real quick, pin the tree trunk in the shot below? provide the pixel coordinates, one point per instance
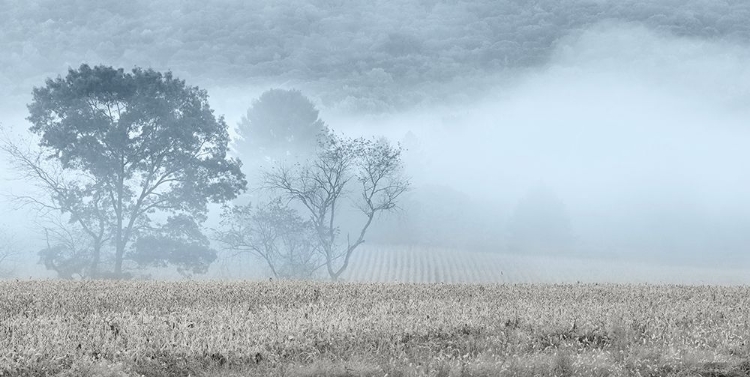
(119, 249)
(95, 260)
(119, 241)
(349, 250)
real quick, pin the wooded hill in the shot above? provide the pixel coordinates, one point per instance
(374, 55)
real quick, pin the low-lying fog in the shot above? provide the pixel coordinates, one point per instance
(627, 144)
(641, 138)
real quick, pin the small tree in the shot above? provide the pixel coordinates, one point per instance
(275, 233)
(146, 143)
(280, 125)
(362, 172)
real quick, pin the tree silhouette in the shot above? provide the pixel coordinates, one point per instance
(360, 172)
(142, 142)
(280, 125)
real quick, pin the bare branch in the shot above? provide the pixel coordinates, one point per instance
(320, 185)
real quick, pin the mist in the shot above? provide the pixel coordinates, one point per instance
(626, 145)
(641, 137)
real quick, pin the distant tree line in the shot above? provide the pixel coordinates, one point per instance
(372, 55)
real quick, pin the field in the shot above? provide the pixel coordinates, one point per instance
(99, 328)
(408, 264)
(436, 265)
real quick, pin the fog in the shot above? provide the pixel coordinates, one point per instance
(627, 145)
(641, 136)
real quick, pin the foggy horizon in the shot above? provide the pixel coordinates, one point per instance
(622, 144)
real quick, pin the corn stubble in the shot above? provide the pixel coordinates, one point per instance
(102, 328)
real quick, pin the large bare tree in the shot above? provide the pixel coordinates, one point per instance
(366, 173)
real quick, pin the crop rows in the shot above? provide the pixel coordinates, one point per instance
(434, 265)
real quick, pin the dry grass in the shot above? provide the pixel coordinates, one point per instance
(320, 329)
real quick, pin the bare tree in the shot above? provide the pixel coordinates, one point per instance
(275, 233)
(363, 172)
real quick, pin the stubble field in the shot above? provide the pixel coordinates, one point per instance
(100, 328)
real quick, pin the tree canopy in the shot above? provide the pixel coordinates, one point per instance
(281, 124)
(134, 144)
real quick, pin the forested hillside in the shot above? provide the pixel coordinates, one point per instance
(370, 56)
